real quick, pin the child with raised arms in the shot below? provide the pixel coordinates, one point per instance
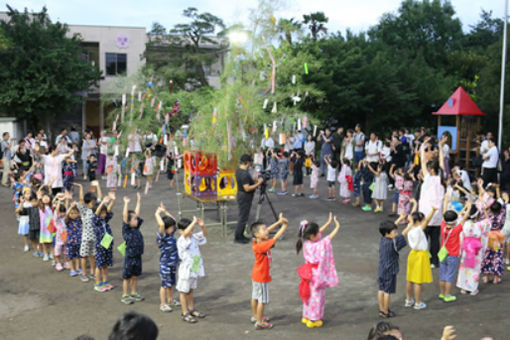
(318, 272)
(131, 223)
(191, 267)
(169, 258)
(261, 272)
(73, 241)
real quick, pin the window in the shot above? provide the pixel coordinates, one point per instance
(116, 63)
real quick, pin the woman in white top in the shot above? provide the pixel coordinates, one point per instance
(310, 147)
(418, 261)
(88, 147)
(348, 146)
(103, 151)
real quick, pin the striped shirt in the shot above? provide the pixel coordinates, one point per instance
(388, 256)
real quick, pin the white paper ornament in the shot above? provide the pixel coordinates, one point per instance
(274, 110)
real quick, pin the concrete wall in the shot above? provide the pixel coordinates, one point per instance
(107, 36)
(15, 128)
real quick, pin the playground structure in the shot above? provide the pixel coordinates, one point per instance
(464, 146)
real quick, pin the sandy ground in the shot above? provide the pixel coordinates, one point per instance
(36, 302)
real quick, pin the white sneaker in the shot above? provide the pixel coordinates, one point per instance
(474, 292)
(409, 303)
(165, 308)
(46, 258)
(26, 248)
(432, 266)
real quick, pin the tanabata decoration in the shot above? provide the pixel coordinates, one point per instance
(114, 127)
(273, 68)
(139, 96)
(266, 131)
(274, 126)
(215, 116)
(127, 152)
(314, 130)
(112, 140)
(282, 138)
(293, 79)
(295, 99)
(306, 68)
(274, 110)
(165, 139)
(167, 117)
(299, 124)
(264, 106)
(152, 101)
(123, 108)
(141, 112)
(305, 119)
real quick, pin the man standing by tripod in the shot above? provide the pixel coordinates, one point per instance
(246, 187)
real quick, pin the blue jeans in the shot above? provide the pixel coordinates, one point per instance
(367, 193)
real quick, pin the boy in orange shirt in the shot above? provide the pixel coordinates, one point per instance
(261, 273)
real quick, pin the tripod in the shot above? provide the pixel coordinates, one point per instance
(262, 195)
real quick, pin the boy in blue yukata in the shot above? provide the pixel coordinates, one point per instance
(133, 237)
(169, 257)
(389, 246)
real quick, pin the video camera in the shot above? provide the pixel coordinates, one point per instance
(266, 176)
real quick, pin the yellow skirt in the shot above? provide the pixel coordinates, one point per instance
(418, 267)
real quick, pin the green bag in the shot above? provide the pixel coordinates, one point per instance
(442, 254)
(106, 241)
(195, 266)
(372, 186)
(122, 248)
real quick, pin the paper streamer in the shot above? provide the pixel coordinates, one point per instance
(125, 181)
(116, 152)
(165, 139)
(299, 124)
(274, 126)
(264, 106)
(141, 112)
(170, 86)
(127, 152)
(139, 96)
(314, 130)
(214, 116)
(133, 179)
(133, 88)
(274, 110)
(305, 119)
(266, 131)
(123, 99)
(122, 113)
(293, 79)
(167, 117)
(152, 101)
(176, 151)
(306, 68)
(282, 138)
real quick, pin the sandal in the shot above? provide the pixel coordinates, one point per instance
(196, 314)
(383, 315)
(496, 280)
(188, 318)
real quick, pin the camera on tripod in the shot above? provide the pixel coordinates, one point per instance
(266, 176)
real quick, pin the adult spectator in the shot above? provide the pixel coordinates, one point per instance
(490, 164)
(6, 158)
(347, 151)
(310, 147)
(53, 168)
(484, 147)
(398, 153)
(326, 149)
(373, 148)
(359, 144)
(133, 326)
(22, 156)
(246, 187)
(43, 134)
(88, 148)
(134, 140)
(297, 144)
(74, 136)
(463, 176)
(29, 141)
(338, 138)
(63, 134)
(42, 142)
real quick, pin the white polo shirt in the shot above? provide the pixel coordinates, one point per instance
(493, 157)
(373, 148)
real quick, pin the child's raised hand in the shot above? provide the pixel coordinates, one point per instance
(138, 196)
(448, 333)
(200, 222)
(336, 222)
(162, 206)
(127, 199)
(330, 217)
(94, 183)
(111, 195)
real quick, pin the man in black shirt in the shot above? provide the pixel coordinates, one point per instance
(246, 187)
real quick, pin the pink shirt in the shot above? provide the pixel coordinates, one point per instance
(53, 169)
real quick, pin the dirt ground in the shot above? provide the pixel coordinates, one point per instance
(36, 302)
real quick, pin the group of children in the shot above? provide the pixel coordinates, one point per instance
(472, 241)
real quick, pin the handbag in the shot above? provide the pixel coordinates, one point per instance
(443, 252)
(107, 239)
(51, 226)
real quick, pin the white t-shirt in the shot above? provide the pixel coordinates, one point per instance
(104, 145)
(446, 150)
(492, 162)
(386, 153)
(188, 249)
(267, 143)
(373, 148)
(417, 239)
(331, 174)
(485, 146)
(466, 182)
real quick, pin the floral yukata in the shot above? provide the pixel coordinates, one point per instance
(493, 260)
(319, 258)
(475, 236)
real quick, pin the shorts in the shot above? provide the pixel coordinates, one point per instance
(395, 197)
(388, 285)
(284, 175)
(87, 248)
(132, 267)
(33, 235)
(167, 274)
(73, 251)
(298, 179)
(59, 248)
(186, 285)
(260, 292)
(331, 184)
(448, 269)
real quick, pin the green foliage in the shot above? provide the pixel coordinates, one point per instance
(316, 23)
(43, 69)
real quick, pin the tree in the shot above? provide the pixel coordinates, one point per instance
(288, 28)
(43, 69)
(316, 23)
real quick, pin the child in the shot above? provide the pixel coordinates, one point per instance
(343, 179)
(111, 171)
(450, 240)
(104, 251)
(331, 177)
(131, 223)
(46, 217)
(170, 168)
(73, 241)
(92, 167)
(169, 257)
(148, 170)
(418, 261)
(492, 265)
(297, 173)
(398, 179)
(191, 266)
(368, 178)
(88, 237)
(273, 164)
(356, 186)
(475, 236)
(261, 272)
(31, 209)
(318, 254)
(389, 246)
(380, 191)
(283, 164)
(69, 170)
(314, 179)
(405, 195)
(24, 224)
(61, 234)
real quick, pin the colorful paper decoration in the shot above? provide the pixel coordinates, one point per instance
(299, 124)
(274, 110)
(305, 119)
(274, 126)
(293, 79)
(214, 117)
(127, 152)
(314, 130)
(264, 106)
(141, 112)
(306, 68)
(282, 138)
(165, 139)
(139, 96)
(266, 131)
(152, 101)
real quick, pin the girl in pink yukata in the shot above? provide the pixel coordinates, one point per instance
(319, 270)
(343, 179)
(61, 234)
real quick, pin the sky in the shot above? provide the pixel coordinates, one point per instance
(356, 15)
